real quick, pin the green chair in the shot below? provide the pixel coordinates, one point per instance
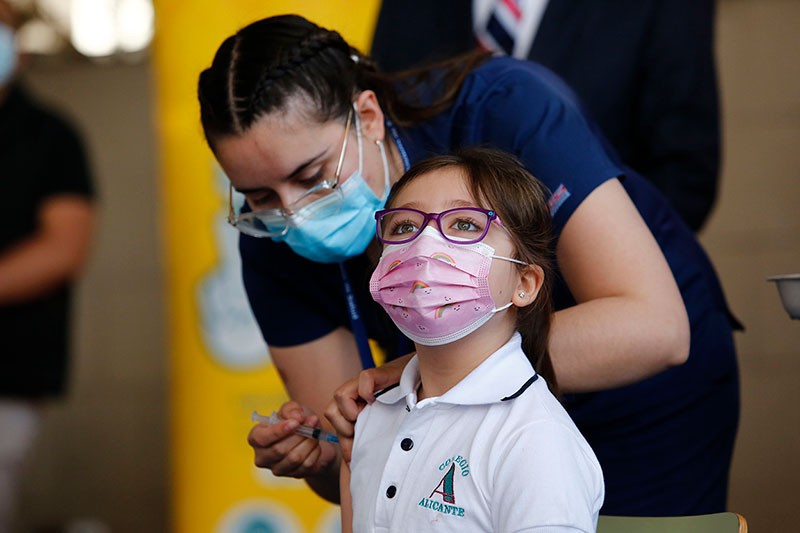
(707, 523)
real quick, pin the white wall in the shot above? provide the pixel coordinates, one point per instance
(755, 233)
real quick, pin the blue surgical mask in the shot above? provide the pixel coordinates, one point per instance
(8, 54)
(347, 233)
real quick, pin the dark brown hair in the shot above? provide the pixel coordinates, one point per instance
(499, 181)
(264, 65)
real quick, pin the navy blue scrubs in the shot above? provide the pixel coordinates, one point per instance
(665, 443)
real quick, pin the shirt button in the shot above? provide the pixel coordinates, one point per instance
(391, 491)
(406, 444)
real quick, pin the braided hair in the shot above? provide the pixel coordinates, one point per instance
(257, 70)
(263, 66)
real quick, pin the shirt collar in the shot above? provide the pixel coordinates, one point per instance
(502, 375)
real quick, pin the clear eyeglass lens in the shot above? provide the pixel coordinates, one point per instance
(318, 192)
(459, 225)
(320, 204)
(466, 225)
(400, 224)
(271, 223)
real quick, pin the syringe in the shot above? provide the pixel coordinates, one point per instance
(305, 431)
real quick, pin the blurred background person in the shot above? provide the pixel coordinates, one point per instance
(46, 219)
(644, 69)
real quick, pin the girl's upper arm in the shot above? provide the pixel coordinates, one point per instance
(346, 501)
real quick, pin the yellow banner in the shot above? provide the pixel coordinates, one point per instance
(220, 370)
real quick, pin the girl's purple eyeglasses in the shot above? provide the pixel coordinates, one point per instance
(462, 225)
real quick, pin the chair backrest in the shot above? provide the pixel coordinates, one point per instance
(707, 523)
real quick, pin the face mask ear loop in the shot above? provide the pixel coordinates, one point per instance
(358, 137)
(510, 259)
(8, 54)
(498, 309)
(386, 185)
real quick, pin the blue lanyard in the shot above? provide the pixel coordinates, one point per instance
(403, 344)
(399, 143)
(356, 322)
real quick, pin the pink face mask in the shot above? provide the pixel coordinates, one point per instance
(436, 292)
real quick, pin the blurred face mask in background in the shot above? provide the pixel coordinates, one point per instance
(8, 54)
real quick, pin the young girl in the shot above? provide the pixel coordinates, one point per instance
(471, 439)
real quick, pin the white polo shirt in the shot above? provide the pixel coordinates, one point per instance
(497, 452)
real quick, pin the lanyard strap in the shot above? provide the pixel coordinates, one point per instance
(356, 322)
(404, 345)
(399, 143)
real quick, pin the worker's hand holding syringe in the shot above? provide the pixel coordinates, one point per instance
(305, 431)
(292, 443)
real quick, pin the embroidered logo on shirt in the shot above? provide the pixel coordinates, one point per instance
(557, 199)
(443, 497)
(445, 487)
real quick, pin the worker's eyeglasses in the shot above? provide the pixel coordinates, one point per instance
(463, 225)
(275, 222)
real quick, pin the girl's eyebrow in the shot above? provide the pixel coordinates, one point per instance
(449, 205)
(302, 166)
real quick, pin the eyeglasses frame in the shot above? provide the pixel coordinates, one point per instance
(427, 217)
